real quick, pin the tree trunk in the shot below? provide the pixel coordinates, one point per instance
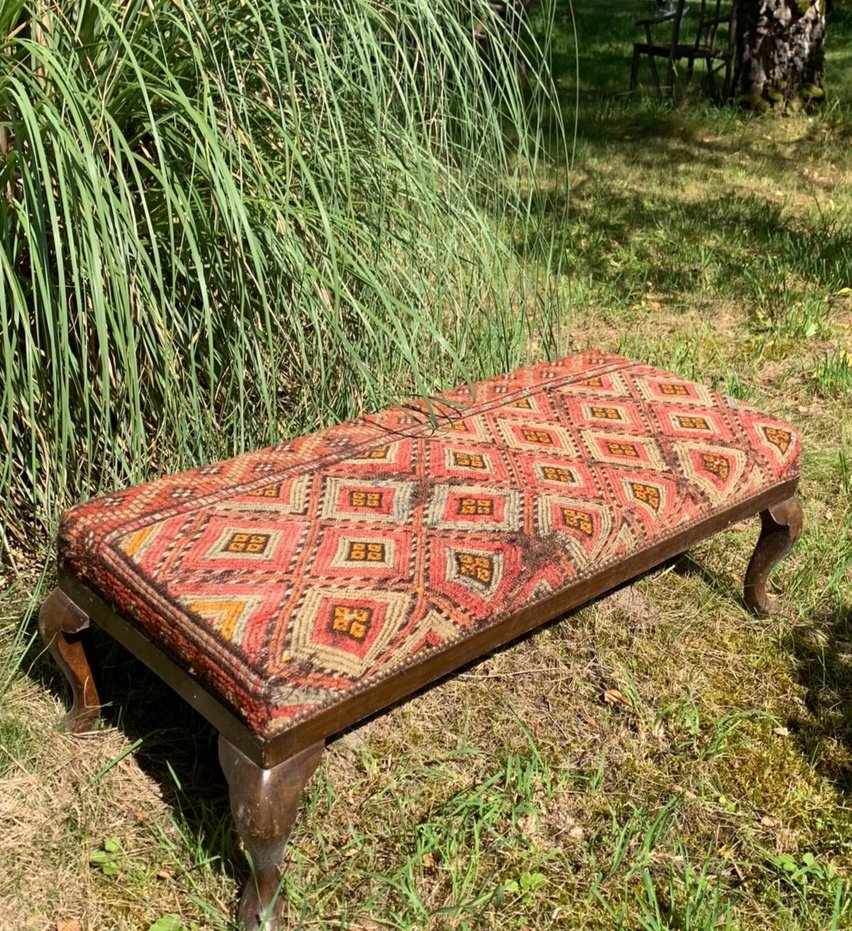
(778, 52)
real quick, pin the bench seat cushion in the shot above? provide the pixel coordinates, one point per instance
(289, 578)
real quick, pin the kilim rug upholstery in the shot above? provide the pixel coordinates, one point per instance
(289, 578)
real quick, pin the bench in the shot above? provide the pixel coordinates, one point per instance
(288, 593)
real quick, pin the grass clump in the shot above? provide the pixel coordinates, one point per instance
(226, 222)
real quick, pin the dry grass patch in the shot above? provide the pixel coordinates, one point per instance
(87, 834)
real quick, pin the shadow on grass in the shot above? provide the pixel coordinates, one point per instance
(824, 655)
(688, 566)
(177, 746)
(740, 246)
(639, 156)
(602, 46)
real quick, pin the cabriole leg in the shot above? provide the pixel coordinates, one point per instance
(63, 627)
(781, 526)
(264, 803)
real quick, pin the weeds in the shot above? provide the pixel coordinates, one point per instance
(833, 375)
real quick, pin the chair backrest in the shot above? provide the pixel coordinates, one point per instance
(711, 16)
(694, 23)
(679, 11)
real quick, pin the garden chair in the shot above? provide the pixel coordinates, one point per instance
(711, 43)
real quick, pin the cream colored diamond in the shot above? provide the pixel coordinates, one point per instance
(354, 552)
(617, 449)
(465, 430)
(595, 385)
(474, 499)
(673, 391)
(560, 515)
(539, 436)
(246, 544)
(295, 503)
(304, 647)
(439, 627)
(479, 571)
(736, 478)
(467, 460)
(367, 495)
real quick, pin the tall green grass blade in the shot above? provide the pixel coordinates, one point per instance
(226, 223)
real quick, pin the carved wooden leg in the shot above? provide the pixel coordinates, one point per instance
(63, 628)
(265, 803)
(781, 526)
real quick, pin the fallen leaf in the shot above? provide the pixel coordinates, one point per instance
(614, 697)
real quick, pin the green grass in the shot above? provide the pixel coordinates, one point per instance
(659, 760)
(833, 375)
(224, 223)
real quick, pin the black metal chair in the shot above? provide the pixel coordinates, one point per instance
(712, 43)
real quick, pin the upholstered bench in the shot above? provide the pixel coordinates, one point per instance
(290, 592)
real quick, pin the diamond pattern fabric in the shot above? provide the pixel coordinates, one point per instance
(291, 577)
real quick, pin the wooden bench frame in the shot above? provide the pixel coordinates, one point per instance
(266, 778)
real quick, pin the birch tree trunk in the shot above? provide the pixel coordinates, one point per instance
(778, 54)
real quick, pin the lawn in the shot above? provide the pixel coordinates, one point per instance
(657, 760)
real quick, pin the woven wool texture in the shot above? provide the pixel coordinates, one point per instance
(290, 577)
